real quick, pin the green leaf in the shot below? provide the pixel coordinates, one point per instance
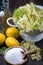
(2, 49)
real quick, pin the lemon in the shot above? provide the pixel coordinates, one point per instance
(12, 32)
(10, 41)
(2, 38)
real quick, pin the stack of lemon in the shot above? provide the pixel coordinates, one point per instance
(10, 39)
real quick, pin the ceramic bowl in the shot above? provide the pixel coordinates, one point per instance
(9, 63)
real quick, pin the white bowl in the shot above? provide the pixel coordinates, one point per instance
(33, 37)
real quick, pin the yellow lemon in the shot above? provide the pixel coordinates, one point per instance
(10, 41)
(2, 38)
(12, 32)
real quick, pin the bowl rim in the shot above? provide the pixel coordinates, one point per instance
(11, 48)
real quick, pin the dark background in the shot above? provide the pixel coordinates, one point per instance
(14, 4)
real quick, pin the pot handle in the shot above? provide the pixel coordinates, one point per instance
(15, 25)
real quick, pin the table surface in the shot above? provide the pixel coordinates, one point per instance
(30, 61)
(39, 44)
